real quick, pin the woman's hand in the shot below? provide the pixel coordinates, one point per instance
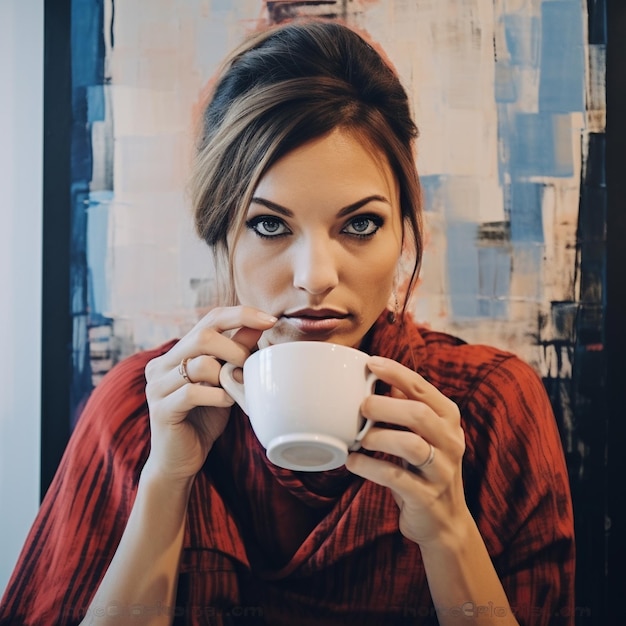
(431, 498)
(186, 417)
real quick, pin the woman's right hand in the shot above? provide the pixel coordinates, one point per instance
(187, 417)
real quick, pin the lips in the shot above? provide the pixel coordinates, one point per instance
(315, 321)
(316, 313)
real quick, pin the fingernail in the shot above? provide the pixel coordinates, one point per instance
(266, 317)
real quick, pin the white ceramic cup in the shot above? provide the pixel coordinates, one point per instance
(303, 399)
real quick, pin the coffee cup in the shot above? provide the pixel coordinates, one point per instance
(303, 400)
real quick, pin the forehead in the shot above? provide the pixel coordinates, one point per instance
(340, 163)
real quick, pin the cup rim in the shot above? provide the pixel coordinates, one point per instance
(307, 342)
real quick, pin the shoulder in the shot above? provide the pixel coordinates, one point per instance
(459, 370)
(463, 370)
(502, 399)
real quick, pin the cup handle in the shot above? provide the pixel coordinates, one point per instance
(234, 388)
(369, 383)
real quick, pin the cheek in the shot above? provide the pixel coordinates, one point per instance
(373, 281)
(257, 278)
(384, 262)
(380, 283)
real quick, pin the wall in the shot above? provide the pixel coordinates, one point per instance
(21, 107)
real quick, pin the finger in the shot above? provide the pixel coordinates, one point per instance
(201, 369)
(412, 415)
(400, 480)
(178, 404)
(413, 385)
(233, 317)
(410, 447)
(207, 338)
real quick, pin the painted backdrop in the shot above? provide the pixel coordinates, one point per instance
(509, 99)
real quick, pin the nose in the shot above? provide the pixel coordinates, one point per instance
(315, 266)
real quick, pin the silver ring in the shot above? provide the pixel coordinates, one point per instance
(429, 460)
(182, 370)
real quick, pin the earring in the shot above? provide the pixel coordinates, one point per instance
(392, 315)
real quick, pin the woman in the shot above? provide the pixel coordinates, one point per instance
(165, 508)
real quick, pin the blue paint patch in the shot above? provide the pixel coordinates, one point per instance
(479, 276)
(561, 83)
(526, 212)
(540, 145)
(522, 35)
(494, 281)
(87, 43)
(95, 104)
(431, 190)
(97, 258)
(463, 275)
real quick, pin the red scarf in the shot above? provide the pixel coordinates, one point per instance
(287, 516)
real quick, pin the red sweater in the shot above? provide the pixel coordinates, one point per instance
(265, 545)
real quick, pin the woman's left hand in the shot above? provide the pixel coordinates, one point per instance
(431, 497)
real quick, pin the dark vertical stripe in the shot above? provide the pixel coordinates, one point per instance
(56, 322)
(588, 393)
(616, 308)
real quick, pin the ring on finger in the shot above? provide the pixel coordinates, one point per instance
(182, 370)
(429, 459)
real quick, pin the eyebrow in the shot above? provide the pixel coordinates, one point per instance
(346, 210)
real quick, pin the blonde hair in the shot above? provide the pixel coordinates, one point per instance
(280, 89)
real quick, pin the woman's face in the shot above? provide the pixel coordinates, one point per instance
(321, 242)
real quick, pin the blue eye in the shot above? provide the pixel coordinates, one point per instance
(268, 226)
(363, 225)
